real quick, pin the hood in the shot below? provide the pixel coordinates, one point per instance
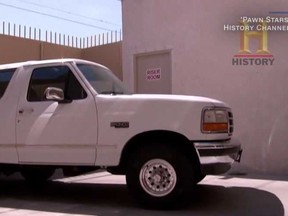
(171, 97)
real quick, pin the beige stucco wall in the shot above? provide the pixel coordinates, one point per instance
(15, 49)
(202, 55)
(52, 51)
(109, 55)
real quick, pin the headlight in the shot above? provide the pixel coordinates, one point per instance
(215, 120)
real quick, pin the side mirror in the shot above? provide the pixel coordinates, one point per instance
(54, 94)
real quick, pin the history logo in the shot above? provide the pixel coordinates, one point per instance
(262, 56)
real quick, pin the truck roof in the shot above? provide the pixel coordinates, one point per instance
(41, 62)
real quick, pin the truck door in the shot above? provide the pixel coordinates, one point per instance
(8, 106)
(49, 132)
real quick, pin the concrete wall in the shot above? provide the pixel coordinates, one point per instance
(109, 55)
(52, 51)
(202, 55)
(15, 49)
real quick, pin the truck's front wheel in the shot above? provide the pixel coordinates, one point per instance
(160, 177)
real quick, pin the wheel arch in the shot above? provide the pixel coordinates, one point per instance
(173, 139)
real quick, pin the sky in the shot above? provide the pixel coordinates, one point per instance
(79, 18)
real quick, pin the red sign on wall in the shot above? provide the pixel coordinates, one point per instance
(153, 74)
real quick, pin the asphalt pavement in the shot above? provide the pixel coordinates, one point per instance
(103, 194)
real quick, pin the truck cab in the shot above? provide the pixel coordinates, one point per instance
(75, 115)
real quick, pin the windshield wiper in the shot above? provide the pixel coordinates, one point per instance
(112, 92)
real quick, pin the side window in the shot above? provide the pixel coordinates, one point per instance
(55, 76)
(5, 77)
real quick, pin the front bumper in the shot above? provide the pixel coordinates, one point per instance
(217, 157)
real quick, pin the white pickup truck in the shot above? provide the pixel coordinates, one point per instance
(77, 116)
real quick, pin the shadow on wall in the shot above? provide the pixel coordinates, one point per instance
(264, 138)
(276, 148)
(113, 199)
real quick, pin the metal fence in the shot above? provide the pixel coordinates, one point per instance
(58, 38)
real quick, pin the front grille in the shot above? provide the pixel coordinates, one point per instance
(231, 123)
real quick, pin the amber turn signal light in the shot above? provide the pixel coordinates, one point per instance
(215, 127)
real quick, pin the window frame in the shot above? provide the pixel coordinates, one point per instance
(65, 83)
(13, 70)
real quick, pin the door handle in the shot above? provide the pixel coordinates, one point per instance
(29, 110)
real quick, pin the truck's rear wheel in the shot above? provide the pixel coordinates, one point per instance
(160, 176)
(37, 174)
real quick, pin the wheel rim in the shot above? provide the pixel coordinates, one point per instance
(158, 177)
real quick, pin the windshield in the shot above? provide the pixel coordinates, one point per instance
(102, 79)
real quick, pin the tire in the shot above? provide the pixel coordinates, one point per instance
(200, 177)
(37, 174)
(160, 176)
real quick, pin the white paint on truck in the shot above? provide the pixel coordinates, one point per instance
(76, 115)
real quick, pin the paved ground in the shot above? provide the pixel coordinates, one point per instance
(105, 195)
